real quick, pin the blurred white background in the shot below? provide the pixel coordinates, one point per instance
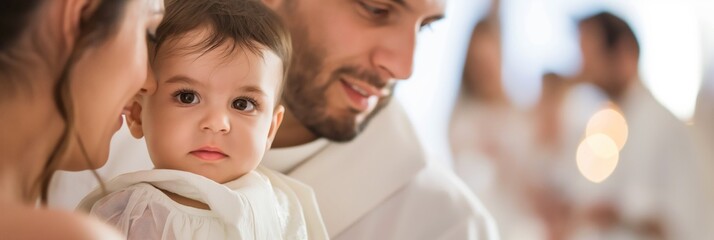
(676, 37)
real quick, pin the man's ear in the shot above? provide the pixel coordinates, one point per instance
(275, 125)
(72, 14)
(134, 121)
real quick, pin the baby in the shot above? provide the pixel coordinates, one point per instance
(220, 66)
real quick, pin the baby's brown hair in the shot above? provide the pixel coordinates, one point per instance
(245, 24)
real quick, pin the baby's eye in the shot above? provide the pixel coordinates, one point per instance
(245, 105)
(187, 97)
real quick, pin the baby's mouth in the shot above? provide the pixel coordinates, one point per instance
(209, 154)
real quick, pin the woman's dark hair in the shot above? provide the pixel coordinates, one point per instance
(14, 20)
(15, 17)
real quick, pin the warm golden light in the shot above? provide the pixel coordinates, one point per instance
(611, 123)
(597, 157)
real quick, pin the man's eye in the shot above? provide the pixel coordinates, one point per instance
(187, 98)
(375, 11)
(425, 26)
(244, 105)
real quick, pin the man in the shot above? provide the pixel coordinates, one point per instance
(371, 177)
(656, 190)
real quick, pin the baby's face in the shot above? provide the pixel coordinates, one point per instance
(213, 114)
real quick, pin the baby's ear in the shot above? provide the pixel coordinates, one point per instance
(275, 125)
(133, 120)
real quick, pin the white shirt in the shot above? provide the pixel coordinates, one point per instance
(286, 159)
(259, 205)
(381, 185)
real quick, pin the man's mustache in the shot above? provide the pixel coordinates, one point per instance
(368, 76)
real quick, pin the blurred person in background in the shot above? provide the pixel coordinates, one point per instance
(703, 129)
(490, 138)
(548, 112)
(703, 119)
(549, 141)
(655, 191)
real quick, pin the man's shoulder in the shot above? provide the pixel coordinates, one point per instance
(452, 199)
(435, 204)
(440, 184)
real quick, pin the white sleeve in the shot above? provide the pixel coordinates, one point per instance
(134, 214)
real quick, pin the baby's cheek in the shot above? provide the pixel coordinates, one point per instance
(164, 141)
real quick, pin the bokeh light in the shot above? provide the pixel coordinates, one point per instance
(597, 157)
(611, 123)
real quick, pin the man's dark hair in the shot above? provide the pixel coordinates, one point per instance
(614, 31)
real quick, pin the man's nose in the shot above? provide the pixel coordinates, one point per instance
(394, 55)
(216, 121)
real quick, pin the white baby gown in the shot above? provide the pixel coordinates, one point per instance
(262, 204)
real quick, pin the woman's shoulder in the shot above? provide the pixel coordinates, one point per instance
(31, 223)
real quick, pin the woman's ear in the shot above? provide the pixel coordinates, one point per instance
(73, 12)
(275, 125)
(134, 121)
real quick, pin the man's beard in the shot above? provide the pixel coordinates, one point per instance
(307, 100)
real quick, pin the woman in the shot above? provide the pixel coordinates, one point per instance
(492, 140)
(67, 68)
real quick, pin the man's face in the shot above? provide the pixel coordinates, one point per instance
(348, 56)
(594, 65)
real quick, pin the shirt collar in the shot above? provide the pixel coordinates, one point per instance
(286, 159)
(351, 179)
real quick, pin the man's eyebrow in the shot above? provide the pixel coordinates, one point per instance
(183, 79)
